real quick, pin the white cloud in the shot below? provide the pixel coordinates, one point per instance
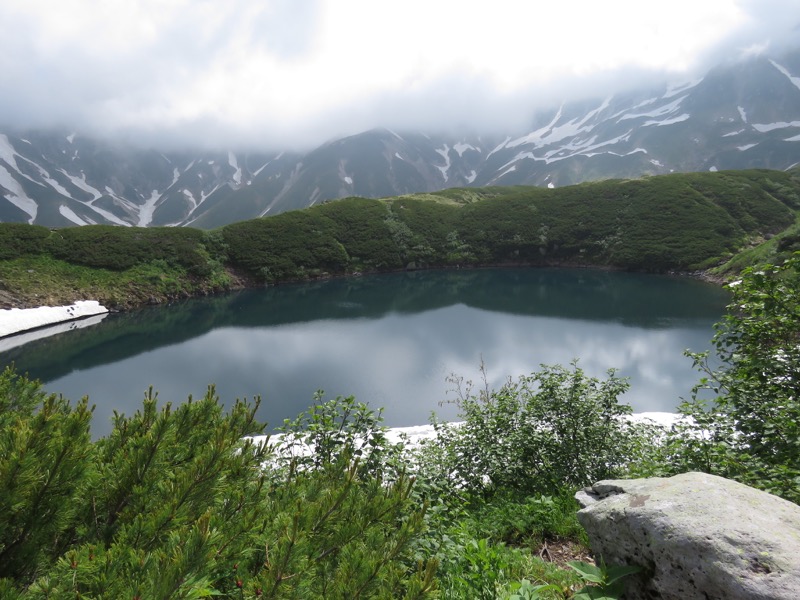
(303, 70)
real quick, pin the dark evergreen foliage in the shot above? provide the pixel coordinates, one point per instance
(675, 222)
(20, 239)
(120, 248)
(181, 502)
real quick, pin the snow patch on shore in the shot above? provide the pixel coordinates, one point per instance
(415, 436)
(14, 341)
(17, 320)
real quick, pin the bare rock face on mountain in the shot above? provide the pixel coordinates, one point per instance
(697, 536)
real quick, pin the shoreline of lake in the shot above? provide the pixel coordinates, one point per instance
(20, 316)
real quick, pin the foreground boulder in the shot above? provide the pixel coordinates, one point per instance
(695, 536)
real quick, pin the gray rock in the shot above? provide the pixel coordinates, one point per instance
(697, 536)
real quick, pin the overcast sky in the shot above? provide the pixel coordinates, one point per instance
(292, 73)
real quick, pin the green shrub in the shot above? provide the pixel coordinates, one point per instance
(527, 521)
(360, 226)
(20, 239)
(554, 429)
(744, 416)
(287, 246)
(120, 248)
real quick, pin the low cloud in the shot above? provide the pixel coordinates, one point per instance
(294, 73)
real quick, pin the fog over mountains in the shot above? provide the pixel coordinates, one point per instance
(739, 115)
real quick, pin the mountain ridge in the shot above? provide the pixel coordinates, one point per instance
(737, 116)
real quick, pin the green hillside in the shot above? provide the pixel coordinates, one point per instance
(680, 222)
(675, 222)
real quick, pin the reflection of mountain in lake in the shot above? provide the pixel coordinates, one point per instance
(645, 301)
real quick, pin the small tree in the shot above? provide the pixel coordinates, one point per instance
(750, 428)
(552, 429)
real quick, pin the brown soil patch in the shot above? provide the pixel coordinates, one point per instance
(560, 552)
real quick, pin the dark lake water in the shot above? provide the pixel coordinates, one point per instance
(389, 340)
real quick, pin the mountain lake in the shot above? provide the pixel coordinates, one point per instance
(393, 341)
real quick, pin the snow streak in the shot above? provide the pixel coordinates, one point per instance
(795, 80)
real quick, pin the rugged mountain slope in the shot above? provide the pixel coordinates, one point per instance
(738, 116)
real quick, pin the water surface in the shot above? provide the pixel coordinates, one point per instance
(390, 340)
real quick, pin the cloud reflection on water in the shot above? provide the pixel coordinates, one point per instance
(399, 361)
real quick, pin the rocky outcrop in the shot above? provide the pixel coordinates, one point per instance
(697, 536)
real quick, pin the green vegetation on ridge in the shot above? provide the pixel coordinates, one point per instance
(680, 222)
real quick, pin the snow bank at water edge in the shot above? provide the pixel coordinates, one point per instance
(413, 437)
(20, 339)
(16, 320)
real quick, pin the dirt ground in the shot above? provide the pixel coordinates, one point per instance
(560, 552)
